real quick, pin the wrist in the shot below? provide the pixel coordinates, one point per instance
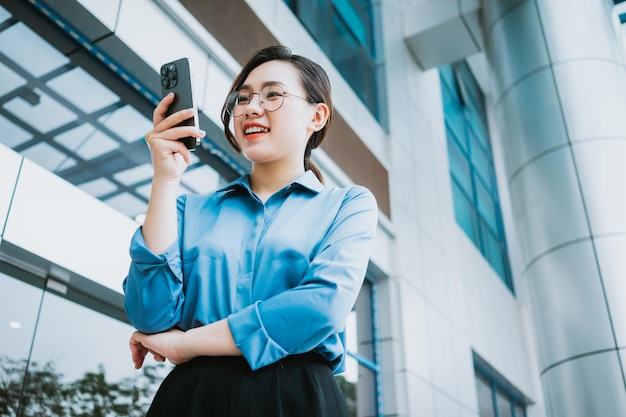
(186, 347)
(165, 181)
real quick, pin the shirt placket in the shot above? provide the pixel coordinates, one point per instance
(248, 261)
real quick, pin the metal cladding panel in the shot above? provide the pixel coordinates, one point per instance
(589, 386)
(573, 32)
(517, 55)
(547, 205)
(611, 250)
(600, 166)
(494, 10)
(593, 96)
(528, 134)
(569, 305)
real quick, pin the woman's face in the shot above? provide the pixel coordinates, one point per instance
(281, 135)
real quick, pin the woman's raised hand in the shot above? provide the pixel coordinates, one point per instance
(170, 157)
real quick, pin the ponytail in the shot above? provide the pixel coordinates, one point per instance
(310, 165)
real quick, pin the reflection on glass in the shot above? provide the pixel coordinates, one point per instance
(30, 51)
(12, 135)
(127, 122)
(19, 303)
(40, 111)
(81, 365)
(83, 90)
(485, 402)
(10, 80)
(87, 142)
(504, 404)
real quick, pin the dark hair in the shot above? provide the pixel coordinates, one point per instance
(315, 82)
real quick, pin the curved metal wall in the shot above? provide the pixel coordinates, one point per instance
(560, 92)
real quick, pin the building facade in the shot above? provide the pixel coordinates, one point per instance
(489, 131)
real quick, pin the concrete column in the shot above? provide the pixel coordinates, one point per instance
(559, 84)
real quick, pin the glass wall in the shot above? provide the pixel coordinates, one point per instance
(474, 188)
(345, 30)
(70, 114)
(65, 355)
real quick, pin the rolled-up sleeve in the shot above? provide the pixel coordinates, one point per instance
(300, 319)
(153, 288)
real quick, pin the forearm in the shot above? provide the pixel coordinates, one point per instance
(160, 228)
(214, 339)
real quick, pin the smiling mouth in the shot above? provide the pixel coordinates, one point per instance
(256, 129)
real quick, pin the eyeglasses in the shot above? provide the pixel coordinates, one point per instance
(271, 98)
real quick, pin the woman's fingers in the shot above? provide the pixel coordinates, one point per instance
(159, 111)
(137, 349)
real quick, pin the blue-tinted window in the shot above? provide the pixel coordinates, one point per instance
(474, 190)
(345, 31)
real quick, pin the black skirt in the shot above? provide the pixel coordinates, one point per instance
(296, 386)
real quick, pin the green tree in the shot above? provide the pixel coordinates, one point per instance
(349, 393)
(45, 394)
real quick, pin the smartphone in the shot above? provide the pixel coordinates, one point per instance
(176, 78)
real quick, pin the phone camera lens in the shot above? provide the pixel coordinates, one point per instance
(165, 82)
(163, 71)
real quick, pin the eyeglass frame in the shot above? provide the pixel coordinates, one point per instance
(236, 94)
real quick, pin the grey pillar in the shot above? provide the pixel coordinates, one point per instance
(560, 91)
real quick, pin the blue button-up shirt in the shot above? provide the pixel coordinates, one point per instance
(286, 273)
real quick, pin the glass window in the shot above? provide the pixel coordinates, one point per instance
(360, 383)
(67, 354)
(345, 31)
(459, 165)
(504, 404)
(455, 120)
(19, 303)
(496, 396)
(485, 401)
(464, 212)
(474, 190)
(486, 206)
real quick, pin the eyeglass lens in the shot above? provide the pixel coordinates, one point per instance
(271, 98)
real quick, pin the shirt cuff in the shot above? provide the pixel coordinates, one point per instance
(144, 258)
(252, 339)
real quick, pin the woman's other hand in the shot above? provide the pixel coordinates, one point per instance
(166, 345)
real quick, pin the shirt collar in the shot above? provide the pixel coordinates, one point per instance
(307, 180)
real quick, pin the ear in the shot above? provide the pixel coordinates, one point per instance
(320, 117)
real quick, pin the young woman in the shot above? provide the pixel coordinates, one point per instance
(247, 289)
